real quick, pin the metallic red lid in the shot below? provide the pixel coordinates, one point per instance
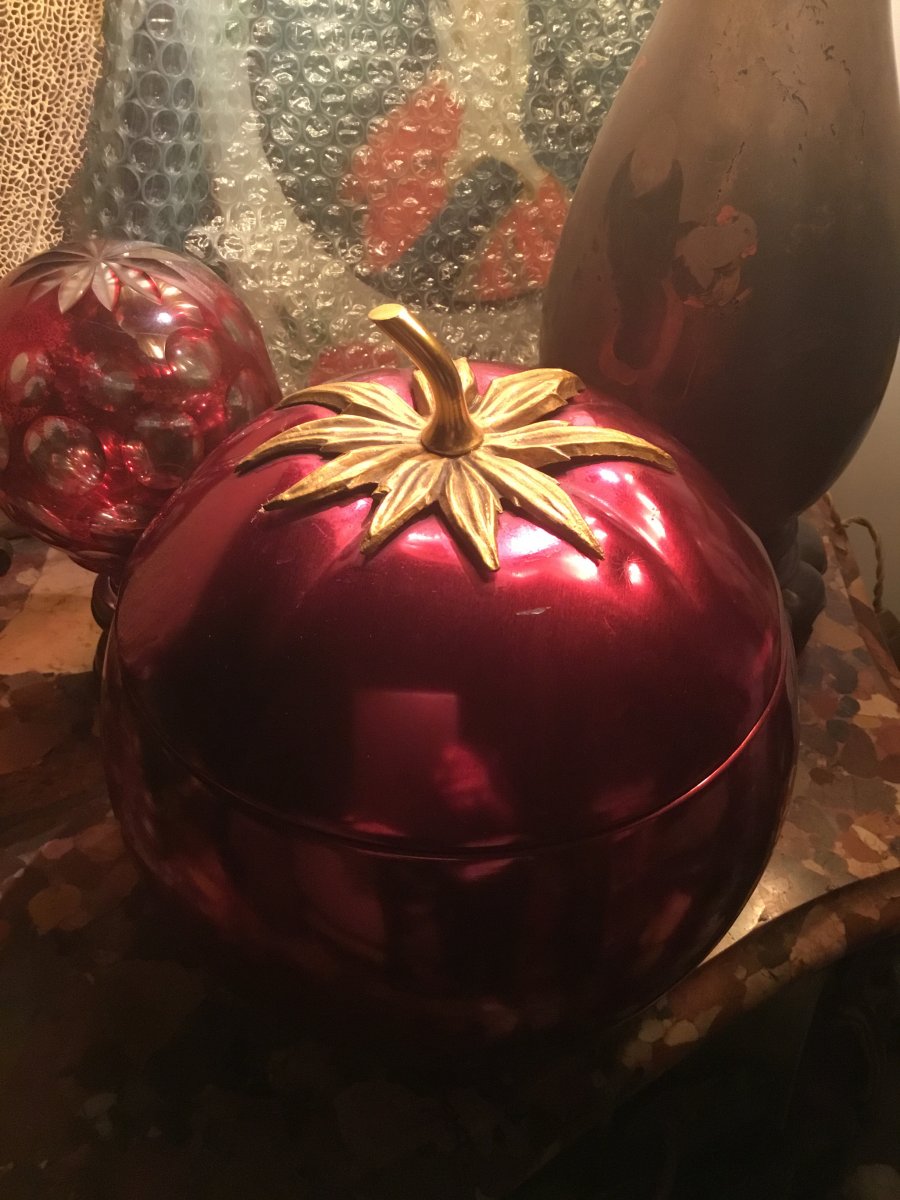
(411, 699)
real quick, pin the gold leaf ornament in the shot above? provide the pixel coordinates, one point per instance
(468, 454)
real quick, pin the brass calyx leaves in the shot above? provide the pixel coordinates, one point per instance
(376, 437)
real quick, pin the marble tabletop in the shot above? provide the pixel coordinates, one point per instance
(131, 1067)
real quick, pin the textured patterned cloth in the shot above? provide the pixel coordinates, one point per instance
(49, 57)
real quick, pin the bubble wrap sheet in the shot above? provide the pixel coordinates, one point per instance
(331, 154)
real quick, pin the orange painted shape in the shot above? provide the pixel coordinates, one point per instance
(518, 255)
(399, 175)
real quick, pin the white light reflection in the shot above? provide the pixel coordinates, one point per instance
(427, 540)
(528, 539)
(419, 536)
(580, 566)
(655, 526)
(635, 574)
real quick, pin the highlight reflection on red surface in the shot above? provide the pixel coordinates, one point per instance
(485, 802)
(404, 743)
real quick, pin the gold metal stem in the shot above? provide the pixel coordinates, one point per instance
(451, 430)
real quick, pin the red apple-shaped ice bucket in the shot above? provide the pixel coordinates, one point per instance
(487, 769)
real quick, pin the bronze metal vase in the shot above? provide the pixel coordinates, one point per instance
(731, 262)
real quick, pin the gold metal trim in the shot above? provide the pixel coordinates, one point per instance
(450, 430)
(469, 454)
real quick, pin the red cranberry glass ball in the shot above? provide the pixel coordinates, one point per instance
(121, 365)
(472, 703)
